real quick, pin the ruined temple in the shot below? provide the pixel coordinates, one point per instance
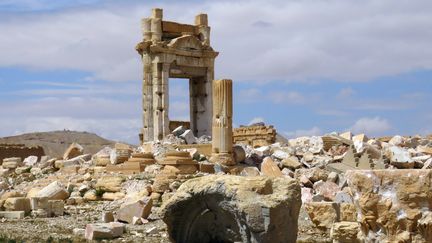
(255, 136)
(174, 50)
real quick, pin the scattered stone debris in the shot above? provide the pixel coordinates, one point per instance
(238, 186)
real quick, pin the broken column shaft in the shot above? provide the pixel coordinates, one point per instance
(222, 146)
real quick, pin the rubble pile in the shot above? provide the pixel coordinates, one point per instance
(239, 185)
(351, 188)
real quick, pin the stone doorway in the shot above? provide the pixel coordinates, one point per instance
(173, 50)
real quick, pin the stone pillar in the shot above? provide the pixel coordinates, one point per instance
(160, 100)
(147, 100)
(156, 24)
(222, 147)
(200, 105)
(146, 29)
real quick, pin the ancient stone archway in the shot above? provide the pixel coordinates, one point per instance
(173, 50)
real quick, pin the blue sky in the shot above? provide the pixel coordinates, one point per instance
(307, 67)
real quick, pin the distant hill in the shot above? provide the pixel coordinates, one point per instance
(55, 143)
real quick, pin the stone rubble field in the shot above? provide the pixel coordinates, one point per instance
(331, 188)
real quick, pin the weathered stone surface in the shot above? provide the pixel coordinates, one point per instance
(30, 160)
(314, 174)
(269, 168)
(140, 209)
(222, 132)
(189, 137)
(73, 151)
(239, 153)
(12, 214)
(17, 204)
(54, 191)
(322, 214)
(250, 171)
(101, 231)
(348, 212)
(345, 232)
(391, 202)
(109, 183)
(255, 209)
(112, 196)
(38, 203)
(327, 189)
(55, 208)
(177, 51)
(291, 162)
(256, 135)
(107, 217)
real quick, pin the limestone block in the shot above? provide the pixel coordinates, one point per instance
(327, 189)
(206, 167)
(291, 162)
(280, 154)
(10, 194)
(55, 208)
(183, 169)
(73, 151)
(38, 203)
(22, 169)
(348, 212)
(140, 209)
(12, 214)
(107, 217)
(112, 196)
(12, 163)
(314, 174)
(250, 171)
(17, 204)
(101, 231)
(90, 195)
(54, 191)
(30, 160)
(239, 153)
(269, 168)
(189, 137)
(345, 232)
(109, 183)
(255, 209)
(322, 214)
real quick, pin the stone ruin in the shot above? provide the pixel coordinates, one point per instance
(174, 50)
(20, 150)
(256, 135)
(240, 186)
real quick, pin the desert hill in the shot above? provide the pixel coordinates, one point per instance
(55, 143)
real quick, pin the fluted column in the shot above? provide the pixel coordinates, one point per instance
(222, 147)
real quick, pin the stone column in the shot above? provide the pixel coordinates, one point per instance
(147, 100)
(222, 147)
(160, 100)
(200, 105)
(156, 24)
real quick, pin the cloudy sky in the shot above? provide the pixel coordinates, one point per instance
(306, 66)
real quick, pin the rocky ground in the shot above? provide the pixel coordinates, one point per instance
(385, 197)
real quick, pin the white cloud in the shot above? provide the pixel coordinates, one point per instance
(371, 126)
(314, 131)
(248, 95)
(280, 97)
(256, 120)
(346, 92)
(258, 40)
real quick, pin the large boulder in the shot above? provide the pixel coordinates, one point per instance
(222, 208)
